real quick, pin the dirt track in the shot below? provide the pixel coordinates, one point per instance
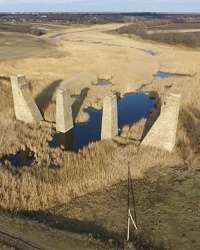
(19, 242)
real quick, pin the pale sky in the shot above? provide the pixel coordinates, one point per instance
(100, 6)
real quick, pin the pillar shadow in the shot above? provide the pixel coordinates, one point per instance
(196, 112)
(45, 97)
(76, 106)
(154, 113)
(5, 78)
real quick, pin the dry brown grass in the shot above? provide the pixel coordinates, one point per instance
(188, 139)
(16, 135)
(134, 132)
(42, 187)
(59, 176)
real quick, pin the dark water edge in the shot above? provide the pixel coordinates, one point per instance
(131, 109)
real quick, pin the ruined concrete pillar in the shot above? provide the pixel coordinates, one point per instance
(109, 127)
(24, 104)
(64, 119)
(163, 133)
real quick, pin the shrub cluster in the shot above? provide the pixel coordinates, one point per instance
(140, 29)
(22, 29)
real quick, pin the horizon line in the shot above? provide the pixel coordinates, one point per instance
(98, 12)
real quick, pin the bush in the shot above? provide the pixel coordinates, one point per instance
(140, 29)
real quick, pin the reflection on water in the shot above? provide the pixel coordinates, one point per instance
(131, 109)
(82, 134)
(63, 140)
(23, 158)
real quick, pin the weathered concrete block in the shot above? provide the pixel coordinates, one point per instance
(24, 104)
(64, 119)
(109, 127)
(163, 133)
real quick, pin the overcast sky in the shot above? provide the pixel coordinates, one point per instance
(100, 5)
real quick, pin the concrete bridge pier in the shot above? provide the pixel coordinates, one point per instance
(109, 128)
(162, 135)
(24, 104)
(64, 118)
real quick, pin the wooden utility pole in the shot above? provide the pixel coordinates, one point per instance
(130, 217)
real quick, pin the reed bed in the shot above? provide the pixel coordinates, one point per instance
(101, 164)
(135, 131)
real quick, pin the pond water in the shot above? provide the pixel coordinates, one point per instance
(56, 38)
(151, 53)
(131, 109)
(23, 158)
(103, 83)
(164, 75)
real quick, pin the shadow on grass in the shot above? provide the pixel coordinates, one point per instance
(154, 114)
(45, 97)
(89, 228)
(76, 106)
(73, 225)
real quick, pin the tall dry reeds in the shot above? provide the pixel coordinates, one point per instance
(135, 131)
(101, 164)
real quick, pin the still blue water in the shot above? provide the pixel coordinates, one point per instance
(164, 75)
(131, 109)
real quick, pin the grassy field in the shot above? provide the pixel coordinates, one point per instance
(47, 237)
(4, 247)
(167, 206)
(78, 184)
(15, 46)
